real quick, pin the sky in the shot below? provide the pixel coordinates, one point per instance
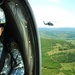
(60, 12)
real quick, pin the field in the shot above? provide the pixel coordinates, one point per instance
(58, 51)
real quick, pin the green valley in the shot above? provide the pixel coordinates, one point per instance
(58, 51)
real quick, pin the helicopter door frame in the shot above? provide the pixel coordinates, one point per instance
(20, 18)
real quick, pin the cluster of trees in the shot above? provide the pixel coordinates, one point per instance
(47, 44)
(69, 72)
(48, 63)
(67, 45)
(64, 57)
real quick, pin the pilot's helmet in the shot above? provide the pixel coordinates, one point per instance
(2, 18)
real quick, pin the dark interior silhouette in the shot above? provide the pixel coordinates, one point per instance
(20, 25)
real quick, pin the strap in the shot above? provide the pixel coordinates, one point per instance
(2, 60)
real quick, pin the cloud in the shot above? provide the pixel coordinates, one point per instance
(55, 1)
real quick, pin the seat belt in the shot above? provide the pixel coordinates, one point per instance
(2, 60)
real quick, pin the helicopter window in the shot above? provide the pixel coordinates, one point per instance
(57, 41)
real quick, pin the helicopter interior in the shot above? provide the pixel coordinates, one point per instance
(21, 26)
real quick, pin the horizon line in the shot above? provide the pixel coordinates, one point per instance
(56, 27)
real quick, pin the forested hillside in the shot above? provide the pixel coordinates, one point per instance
(58, 51)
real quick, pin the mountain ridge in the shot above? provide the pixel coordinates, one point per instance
(57, 33)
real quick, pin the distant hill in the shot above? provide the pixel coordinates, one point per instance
(57, 33)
